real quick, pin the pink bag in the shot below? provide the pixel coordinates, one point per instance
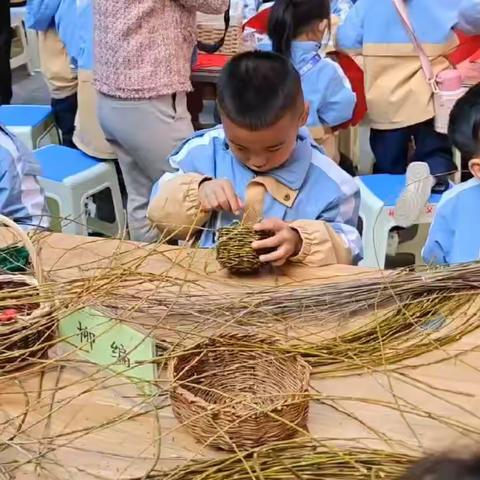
(446, 87)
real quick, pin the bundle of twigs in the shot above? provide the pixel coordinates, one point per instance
(384, 340)
(298, 459)
(420, 321)
(315, 302)
(396, 335)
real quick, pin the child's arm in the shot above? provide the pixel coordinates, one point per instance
(206, 6)
(439, 240)
(182, 202)
(331, 239)
(338, 101)
(350, 33)
(175, 205)
(11, 192)
(41, 14)
(469, 17)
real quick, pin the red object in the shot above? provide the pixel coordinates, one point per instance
(475, 57)
(469, 46)
(213, 61)
(357, 79)
(8, 315)
(259, 22)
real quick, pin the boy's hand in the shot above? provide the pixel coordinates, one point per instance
(286, 241)
(219, 195)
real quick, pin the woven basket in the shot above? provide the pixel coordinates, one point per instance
(234, 248)
(26, 337)
(229, 391)
(210, 30)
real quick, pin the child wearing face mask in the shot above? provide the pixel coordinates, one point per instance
(296, 30)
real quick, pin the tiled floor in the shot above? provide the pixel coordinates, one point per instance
(29, 89)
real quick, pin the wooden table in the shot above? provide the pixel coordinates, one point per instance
(204, 84)
(76, 421)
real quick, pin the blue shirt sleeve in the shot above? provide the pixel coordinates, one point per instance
(11, 205)
(338, 100)
(342, 215)
(439, 241)
(41, 14)
(350, 32)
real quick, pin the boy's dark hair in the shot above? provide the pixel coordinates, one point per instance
(291, 18)
(257, 89)
(445, 468)
(464, 126)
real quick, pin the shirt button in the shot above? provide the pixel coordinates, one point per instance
(287, 197)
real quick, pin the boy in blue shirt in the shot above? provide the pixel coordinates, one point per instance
(21, 197)
(304, 198)
(455, 235)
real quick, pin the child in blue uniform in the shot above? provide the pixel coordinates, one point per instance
(455, 234)
(296, 30)
(399, 99)
(21, 197)
(304, 198)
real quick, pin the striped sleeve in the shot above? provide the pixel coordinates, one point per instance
(342, 215)
(21, 197)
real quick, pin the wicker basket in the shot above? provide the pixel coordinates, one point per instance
(27, 336)
(234, 248)
(229, 392)
(210, 29)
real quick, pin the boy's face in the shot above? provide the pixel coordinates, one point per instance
(267, 149)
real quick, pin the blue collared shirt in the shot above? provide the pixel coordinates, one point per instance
(21, 197)
(59, 14)
(325, 87)
(455, 233)
(325, 191)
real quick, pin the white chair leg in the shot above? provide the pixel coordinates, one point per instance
(32, 40)
(367, 160)
(120, 213)
(416, 244)
(26, 51)
(51, 134)
(375, 242)
(72, 209)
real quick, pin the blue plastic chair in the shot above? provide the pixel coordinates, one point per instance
(70, 177)
(379, 195)
(33, 124)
